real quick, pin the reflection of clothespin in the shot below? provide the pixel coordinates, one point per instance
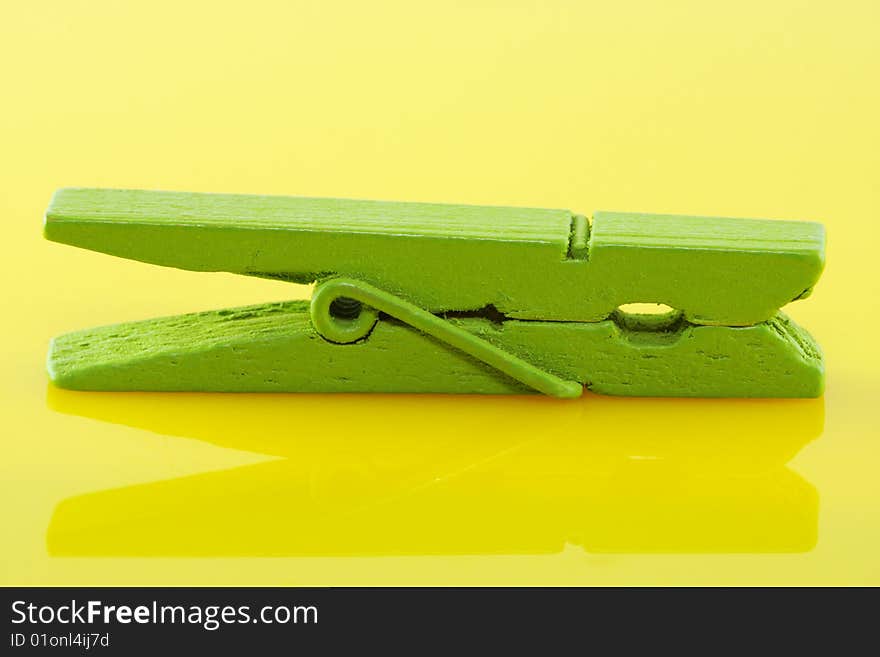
(416, 297)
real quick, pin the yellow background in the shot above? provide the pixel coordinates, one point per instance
(753, 108)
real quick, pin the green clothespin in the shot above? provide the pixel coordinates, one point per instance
(417, 297)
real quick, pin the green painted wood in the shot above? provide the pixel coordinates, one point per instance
(275, 348)
(527, 263)
(373, 301)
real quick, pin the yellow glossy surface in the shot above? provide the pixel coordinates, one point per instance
(743, 109)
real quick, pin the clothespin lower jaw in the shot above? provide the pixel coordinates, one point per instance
(472, 299)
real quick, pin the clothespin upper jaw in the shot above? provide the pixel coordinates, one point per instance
(525, 263)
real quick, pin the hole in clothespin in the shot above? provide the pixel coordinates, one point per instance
(645, 309)
(648, 317)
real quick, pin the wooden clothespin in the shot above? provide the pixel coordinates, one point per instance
(418, 297)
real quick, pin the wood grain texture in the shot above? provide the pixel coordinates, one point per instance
(527, 263)
(274, 348)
